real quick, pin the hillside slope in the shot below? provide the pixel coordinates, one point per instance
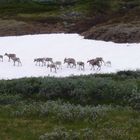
(110, 20)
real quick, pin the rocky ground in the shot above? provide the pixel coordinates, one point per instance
(121, 33)
(14, 28)
(120, 27)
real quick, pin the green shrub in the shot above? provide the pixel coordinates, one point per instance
(9, 99)
(64, 134)
(63, 112)
(116, 89)
(134, 99)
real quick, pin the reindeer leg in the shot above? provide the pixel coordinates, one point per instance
(91, 68)
(99, 68)
(45, 63)
(83, 68)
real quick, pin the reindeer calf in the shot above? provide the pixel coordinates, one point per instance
(39, 60)
(81, 65)
(52, 66)
(108, 63)
(58, 64)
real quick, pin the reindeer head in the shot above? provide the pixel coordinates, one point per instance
(65, 60)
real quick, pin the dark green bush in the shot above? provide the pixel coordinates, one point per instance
(92, 89)
(9, 99)
(101, 5)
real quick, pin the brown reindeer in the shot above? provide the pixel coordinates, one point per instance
(52, 66)
(10, 56)
(94, 62)
(81, 65)
(39, 60)
(16, 59)
(1, 58)
(90, 61)
(70, 62)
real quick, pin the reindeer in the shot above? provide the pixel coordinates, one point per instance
(81, 65)
(16, 59)
(94, 62)
(49, 60)
(52, 66)
(58, 64)
(108, 63)
(1, 58)
(70, 61)
(10, 56)
(100, 59)
(90, 61)
(39, 60)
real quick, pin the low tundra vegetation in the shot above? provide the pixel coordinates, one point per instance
(101, 107)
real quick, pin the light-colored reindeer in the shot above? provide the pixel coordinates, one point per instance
(70, 62)
(39, 60)
(10, 55)
(108, 63)
(58, 64)
(81, 65)
(16, 59)
(52, 66)
(1, 58)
